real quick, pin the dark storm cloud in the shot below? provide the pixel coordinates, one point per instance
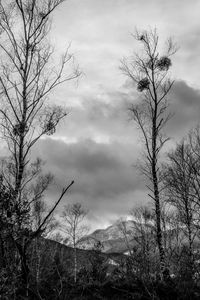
(186, 95)
(106, 147)
(185, 103)
(99, 170)
(105, 180)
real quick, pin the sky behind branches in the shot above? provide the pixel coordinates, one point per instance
(98, 145)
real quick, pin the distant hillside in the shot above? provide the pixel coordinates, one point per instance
(51, 250)
(112, 238)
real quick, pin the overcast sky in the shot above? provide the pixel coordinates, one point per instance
(97, 145)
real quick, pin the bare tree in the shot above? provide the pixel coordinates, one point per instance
(149, 71)
(127, 233)
(27, 78)
(74, 228)
(144, 236)
(181, 190)
(193, 140)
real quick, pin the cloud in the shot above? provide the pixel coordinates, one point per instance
(105, 179)
(106, 146)
(185, 103)
(185, 95)
(97, 144)
(107, 166)
(101, 33)
(103, 118)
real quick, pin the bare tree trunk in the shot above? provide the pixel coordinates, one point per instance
(149, 72)
(75, 251)
(191, 257)
(24, 267)
(73, 215)
(156, 194)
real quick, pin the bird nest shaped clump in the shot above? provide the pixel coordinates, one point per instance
(143, 84)
(20, 128)
(164, 63)
(50, 128)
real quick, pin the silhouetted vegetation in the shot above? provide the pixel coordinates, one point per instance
(161, 259)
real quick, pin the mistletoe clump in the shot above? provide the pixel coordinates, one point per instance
(20, 128)
(50, 128)
(164, 63)
(143, 84)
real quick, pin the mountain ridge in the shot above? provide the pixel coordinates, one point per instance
(112, 238)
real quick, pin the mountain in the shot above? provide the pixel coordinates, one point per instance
(123, 236)
(112, 238)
